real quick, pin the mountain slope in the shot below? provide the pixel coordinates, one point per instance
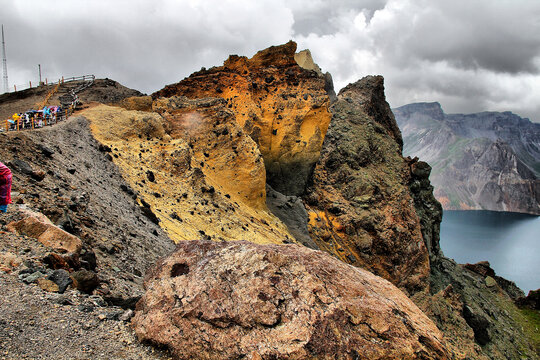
(485, 161)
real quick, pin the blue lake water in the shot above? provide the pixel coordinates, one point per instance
(509, 241)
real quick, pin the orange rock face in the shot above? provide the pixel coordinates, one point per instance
(230, 300)
(360, 206)
(282, 106)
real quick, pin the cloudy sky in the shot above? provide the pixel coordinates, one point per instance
(470, 55)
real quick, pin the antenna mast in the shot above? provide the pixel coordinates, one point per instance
(4, 63)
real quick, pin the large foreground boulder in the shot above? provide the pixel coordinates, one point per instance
(232, 300)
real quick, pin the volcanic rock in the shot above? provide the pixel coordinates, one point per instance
(291, 210)
(9, 261)
(85, 280)
(209, 174)
(61, 278)
(428, 209)
(481, 268)
(496, 323)
(531, 301)
(360, 206)
(232, 158)
(141, 103)
(48, 285)
(231, 300)
(445, 308)
(55, 261)
(32, 277)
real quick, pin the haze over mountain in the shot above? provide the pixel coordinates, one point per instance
(487, 160)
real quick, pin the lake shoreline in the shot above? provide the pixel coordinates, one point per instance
(508, 240)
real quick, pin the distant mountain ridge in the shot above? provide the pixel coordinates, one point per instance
(486, 160)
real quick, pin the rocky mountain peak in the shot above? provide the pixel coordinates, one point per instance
(432, 109)
(282, 106)
(369, 93)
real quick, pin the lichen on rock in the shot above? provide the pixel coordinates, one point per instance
(359, 201)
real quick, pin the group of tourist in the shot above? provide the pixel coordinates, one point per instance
(35, 118)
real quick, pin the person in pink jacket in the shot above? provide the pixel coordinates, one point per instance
(5, 187)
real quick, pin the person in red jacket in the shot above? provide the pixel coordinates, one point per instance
(5, 187)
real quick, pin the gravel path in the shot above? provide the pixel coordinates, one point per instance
(39, 325)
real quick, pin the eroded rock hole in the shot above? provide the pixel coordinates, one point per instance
(179, 269)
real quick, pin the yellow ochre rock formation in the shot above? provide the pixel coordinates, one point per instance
(280, 104)
(193, 167)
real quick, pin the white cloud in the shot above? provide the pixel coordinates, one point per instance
(470, 56)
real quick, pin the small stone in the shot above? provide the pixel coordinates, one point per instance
(55, 261)
(85, 280)
(102, 316)
(114, 314)
(97, 300)
(127, 315)
(59, 299)
(85, 308)
(61, 278)
(47, 285)
(32, 277)
(490, 282)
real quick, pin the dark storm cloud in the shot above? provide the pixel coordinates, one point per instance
(469, 55)
(496, 35)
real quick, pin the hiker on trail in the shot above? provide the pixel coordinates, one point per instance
(12, 124)
(5, 187)
(16, 118)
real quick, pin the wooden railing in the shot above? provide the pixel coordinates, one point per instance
(39, 119)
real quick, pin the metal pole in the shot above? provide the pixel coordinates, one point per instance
(39, 67)
(4, 63)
